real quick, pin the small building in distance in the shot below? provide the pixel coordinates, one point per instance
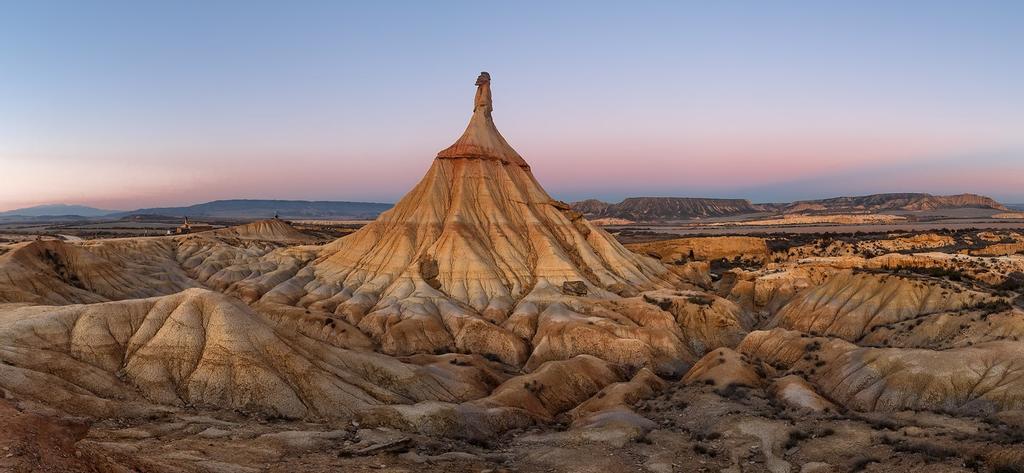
(189, 227)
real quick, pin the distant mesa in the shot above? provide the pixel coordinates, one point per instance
(902, 201)
(646, 209)
(664, 209)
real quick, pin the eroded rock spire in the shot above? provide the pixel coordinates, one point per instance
(481, 139)
(482, 101)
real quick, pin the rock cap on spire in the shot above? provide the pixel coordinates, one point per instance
(481, 140)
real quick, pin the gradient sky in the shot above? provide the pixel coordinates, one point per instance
(135, 104)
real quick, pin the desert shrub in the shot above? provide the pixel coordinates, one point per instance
(700, 300)
(734, 391)
(1014, 282)
(663, 304)
(534, 386)
(993, 307)
(1005, 461)
(702, 450)
(861, 462)
(795, 437)
(479, 442)
(491, 357)
(882, 424)
(925, 448)
(707, 436)
(938, 272)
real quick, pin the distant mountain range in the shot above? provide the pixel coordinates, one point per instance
(246, 208)
(56, 210)
(226, 209)
(904, 201)
(657, 209)
(637, 209)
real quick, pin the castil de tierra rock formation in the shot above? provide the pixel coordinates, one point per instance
(475, 258)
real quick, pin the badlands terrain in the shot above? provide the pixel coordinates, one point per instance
(480, 325)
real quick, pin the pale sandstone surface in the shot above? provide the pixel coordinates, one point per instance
(796, 392)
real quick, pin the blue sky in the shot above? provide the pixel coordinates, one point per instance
(130, 104)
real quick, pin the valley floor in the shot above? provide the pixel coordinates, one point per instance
(696, 429)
